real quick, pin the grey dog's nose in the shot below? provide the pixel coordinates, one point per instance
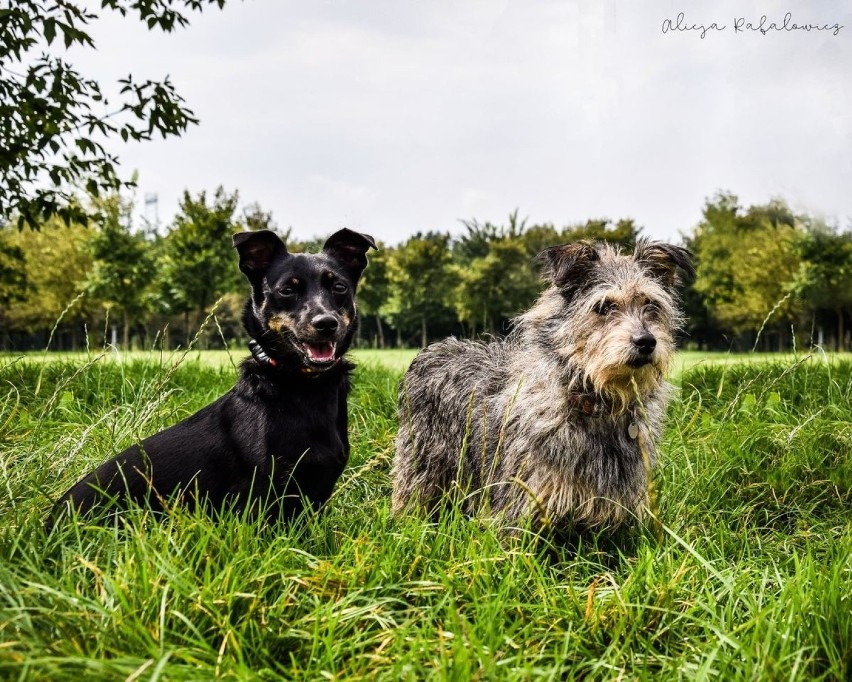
(326, 324)
(645, 343)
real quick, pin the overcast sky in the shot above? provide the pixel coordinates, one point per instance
(397, 116)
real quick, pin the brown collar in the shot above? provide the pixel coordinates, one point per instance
(587, 404)
(592, 405)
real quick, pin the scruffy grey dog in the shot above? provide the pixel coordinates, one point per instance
(548, 426)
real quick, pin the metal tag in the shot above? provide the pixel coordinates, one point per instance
(633, 430)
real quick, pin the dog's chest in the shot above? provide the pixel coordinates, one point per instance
(301, 422)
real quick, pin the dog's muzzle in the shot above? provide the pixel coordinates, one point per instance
(642, 347)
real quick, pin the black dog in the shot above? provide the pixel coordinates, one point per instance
(281, 433)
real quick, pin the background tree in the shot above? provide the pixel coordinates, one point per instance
(824, 277)
(624, 232)
(123, 269)
(474, 242)
(197, 261)
(745, 263)
(13, 281)
(496, 287)
(13, 274)
(421, 284)
(255, 218)
(57, 262)
(374, 291)
(54, 121)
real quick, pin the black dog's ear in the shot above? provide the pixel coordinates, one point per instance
(662, 260)
(349, 248)
(567, 265)
(257, 251)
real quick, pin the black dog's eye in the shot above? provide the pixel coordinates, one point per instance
(339, 288)
(288, 290)
(606, 307)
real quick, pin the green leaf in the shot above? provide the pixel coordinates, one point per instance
(49, 30)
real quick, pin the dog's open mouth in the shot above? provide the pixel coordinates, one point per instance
(320, 353)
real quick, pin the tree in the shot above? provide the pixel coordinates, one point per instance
(255, 218)
(13, 274)
(421, 282)
(54, 122)
(13, 280)
(824, 278)
(496, 287)
(623, 232)
(474, 243)
(123, 270)
(374, 289)
(198, 263)
(538, 237)
(745, 263)
(56, 264)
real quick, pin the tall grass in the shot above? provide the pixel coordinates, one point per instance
(750, 579)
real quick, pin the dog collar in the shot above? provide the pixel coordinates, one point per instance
(265, 359)
(592, 405)
(261, 355)
(587, 404)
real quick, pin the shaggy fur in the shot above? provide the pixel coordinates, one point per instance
(545, 426)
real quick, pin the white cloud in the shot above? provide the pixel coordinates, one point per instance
(396, 117)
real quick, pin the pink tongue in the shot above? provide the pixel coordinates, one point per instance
(320, 352)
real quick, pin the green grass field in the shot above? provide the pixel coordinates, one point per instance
(749, 575)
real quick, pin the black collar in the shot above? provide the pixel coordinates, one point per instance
(261, 355)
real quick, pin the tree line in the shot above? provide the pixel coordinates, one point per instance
(767, 277)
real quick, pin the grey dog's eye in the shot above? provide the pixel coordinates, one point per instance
(606, 307)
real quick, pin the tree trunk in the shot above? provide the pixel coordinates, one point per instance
(186, 326)
(841, 332)
(125, 330)
(202, 340)
(381, 332)
(423, 334)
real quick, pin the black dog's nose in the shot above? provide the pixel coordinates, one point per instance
(645, 343)
(327, 324)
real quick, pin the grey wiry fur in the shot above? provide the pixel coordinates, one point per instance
(537, 427)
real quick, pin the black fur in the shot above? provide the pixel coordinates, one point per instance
(280, 434)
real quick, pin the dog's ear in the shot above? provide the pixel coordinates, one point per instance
(567, 265)
(349, 248)
(663, 260)
(257, 251)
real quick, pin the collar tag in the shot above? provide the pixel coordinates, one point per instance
(633, 430)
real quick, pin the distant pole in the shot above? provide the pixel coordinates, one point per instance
(152, 212)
